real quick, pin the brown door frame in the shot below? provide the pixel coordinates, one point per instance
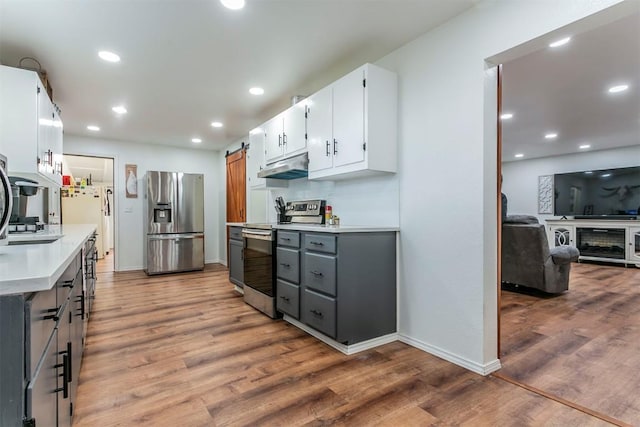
(499, 197)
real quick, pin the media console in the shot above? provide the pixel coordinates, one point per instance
(616, 241)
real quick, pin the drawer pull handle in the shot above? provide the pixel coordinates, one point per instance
(285, 298)
(285, 238)
(317, 273)
(316, 312)
(285, 265)
(317, 243)
(67, 284)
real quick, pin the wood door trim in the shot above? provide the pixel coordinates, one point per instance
(499, 200)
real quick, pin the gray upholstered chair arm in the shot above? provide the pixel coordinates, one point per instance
(564, 254)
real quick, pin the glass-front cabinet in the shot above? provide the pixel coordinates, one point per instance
(562, 235)
(633, 245)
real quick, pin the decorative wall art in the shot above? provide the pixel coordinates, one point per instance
(545, 194)
(131, 181)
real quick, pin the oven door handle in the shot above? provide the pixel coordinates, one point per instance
(257, 234)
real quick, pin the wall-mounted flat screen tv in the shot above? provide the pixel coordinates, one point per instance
(606, 193)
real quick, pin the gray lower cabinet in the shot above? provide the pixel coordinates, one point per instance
(340, 284)
(41, 352)
(236, 256)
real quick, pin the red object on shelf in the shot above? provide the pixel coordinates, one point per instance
(66, 180)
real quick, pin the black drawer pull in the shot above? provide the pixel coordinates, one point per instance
(316, 243)
(65, 384)
(285, 264)
(316, 273)
(67, 284)
(285, 298)
(316, 312)
(53, 317)
(285, 238)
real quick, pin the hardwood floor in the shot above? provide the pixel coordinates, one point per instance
(184, 350)
(582, 346)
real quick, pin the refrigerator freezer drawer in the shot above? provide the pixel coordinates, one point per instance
(168, 253)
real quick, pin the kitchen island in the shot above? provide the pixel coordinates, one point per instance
(45, 299)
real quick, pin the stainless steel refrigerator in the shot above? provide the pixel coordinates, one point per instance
(175, 222)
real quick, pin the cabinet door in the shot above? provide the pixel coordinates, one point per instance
(41, 401)
(255, 158)
(348, 119)
(294, 128)
(320, 130)
(634, 245)
(562, 236)
(236, 262)
(45, 129)
(273, 139)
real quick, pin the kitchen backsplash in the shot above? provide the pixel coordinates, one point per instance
(363, 201)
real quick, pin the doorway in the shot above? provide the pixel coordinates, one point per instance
(87, 197)
(577, 347)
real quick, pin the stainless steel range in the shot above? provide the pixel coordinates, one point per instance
(260, 267)
(260, 252)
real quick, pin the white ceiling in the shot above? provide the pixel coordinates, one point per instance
(187, 63)
(564, 90)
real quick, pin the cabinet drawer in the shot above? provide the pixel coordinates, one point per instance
(319, 312)
(320, 273)
(41, 396)
(288, 299)
(320, 243)
(288, 264)
(235, 233)
(66, 281)
(289, 238)
(41, 313)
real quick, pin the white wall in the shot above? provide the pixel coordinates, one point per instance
(448, 179)
(129, 225)
(363, 201)
(521, 177)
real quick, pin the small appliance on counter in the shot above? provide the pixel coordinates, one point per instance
(22, 189)
(6, 200)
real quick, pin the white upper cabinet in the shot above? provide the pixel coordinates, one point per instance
(352, 126)
(30, 127)
(255, 162)
(286, 133)
(320, 130)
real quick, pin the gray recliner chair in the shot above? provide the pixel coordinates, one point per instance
(528, 261)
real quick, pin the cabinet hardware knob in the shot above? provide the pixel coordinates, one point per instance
(285, 238)
(285, 264)
(316, 273)
(316, 312)
(285, 298)
(317, 243)
(335, 146)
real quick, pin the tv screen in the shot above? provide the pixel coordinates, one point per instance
(607, 192)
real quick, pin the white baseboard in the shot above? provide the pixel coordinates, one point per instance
(346, 349)
(485, 369)
(134, 268)
(214, 261)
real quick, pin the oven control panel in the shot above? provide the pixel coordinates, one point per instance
(306, 211)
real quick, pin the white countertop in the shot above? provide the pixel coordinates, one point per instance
(326, 228)
(37, 267)
(336, 228)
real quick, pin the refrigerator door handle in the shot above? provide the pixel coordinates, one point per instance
(175, 236)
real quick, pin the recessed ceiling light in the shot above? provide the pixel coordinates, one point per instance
(506, 116)
(618, 88)
(93, 128)
(109, 56)
(519, 155)
(256, 91)
(196, 140)
(584, 146)
(605, 175)
(551, 136)
(233, 4)
(120, 109)
(560, 42)
(216, 124)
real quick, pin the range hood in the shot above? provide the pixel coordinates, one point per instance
(291, 168)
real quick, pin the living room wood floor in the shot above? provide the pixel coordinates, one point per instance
(583, 345)
(184, 350)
